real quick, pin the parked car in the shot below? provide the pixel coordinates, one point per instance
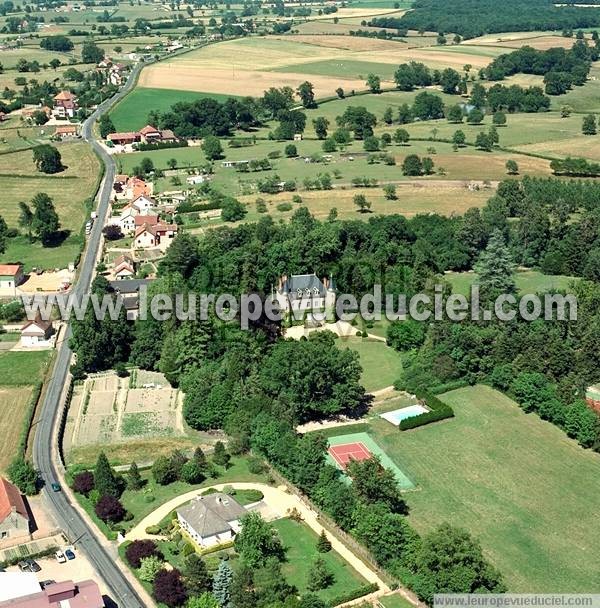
(55, 487)
(69, 554)
(60, 557)
(28, 565)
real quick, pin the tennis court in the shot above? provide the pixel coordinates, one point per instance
(346, 452)
(361, 446)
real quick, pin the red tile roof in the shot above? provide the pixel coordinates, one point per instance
(64, 96)
(149, 220)
(10, 270)
(129, 135)
(66, 129)
(149, 129)
(10, 498)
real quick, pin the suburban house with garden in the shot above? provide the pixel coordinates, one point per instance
(211, 519)
(65, 105)
(305, 293)
(149, 235)
(14, 517)
(37, 333)
(123, 268)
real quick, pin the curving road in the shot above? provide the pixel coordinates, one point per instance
(65, 515)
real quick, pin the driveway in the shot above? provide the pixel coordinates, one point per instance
(280, 502)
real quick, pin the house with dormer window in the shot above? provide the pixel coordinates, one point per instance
(305, 292)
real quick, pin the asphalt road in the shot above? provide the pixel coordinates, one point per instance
(66, 516)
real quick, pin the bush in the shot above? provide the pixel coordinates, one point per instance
(255, 465)
(83, 483)
(284, 207)
(110, 509)
(354, 594)
(438, 411)
(154, 530)
(140, 549)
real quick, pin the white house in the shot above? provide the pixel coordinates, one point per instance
(149, 235)
(211, 519)
(126, 221)
(37, 333)
(305, 292)
(11, 276)
(143, 203)
(193, 180)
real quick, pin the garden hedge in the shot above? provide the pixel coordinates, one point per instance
(438, 411)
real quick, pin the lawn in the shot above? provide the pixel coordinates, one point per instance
(518, 484)
(382, 365)
(395, 600)
(300, 543)
(13, 409)
(23, 368)
(131, 113)
(527, 281)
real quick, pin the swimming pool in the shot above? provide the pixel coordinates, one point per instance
(397, 416)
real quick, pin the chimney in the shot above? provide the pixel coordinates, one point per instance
(326, 282)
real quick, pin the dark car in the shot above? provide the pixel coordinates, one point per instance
(69, 554)
(29, 565)
(55, 487)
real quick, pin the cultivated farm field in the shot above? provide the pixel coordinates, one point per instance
(517, 483)
(138, 417)
(223, 68)
(13, 409)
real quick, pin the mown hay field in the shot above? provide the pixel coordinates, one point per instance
(518, 484)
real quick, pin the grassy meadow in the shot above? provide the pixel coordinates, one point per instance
(527, 281)
(518, 484)
(13, 409)
(69, 190)
(19, 371)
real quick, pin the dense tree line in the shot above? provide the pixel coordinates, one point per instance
(472, 18)
(561, 68)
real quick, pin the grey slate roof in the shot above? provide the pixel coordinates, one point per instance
(297, 284)
(211, 514)
(129, 286)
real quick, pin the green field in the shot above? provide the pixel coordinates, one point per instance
(68, 190)
(382, 365)
(528, 281)
(22, 368)
(131, 113)
(585, 98)
(300, 543)
(343, 68)
(518, 484)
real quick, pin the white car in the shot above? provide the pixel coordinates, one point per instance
(60, 557)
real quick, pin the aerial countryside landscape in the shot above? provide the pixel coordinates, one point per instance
(299, 303)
